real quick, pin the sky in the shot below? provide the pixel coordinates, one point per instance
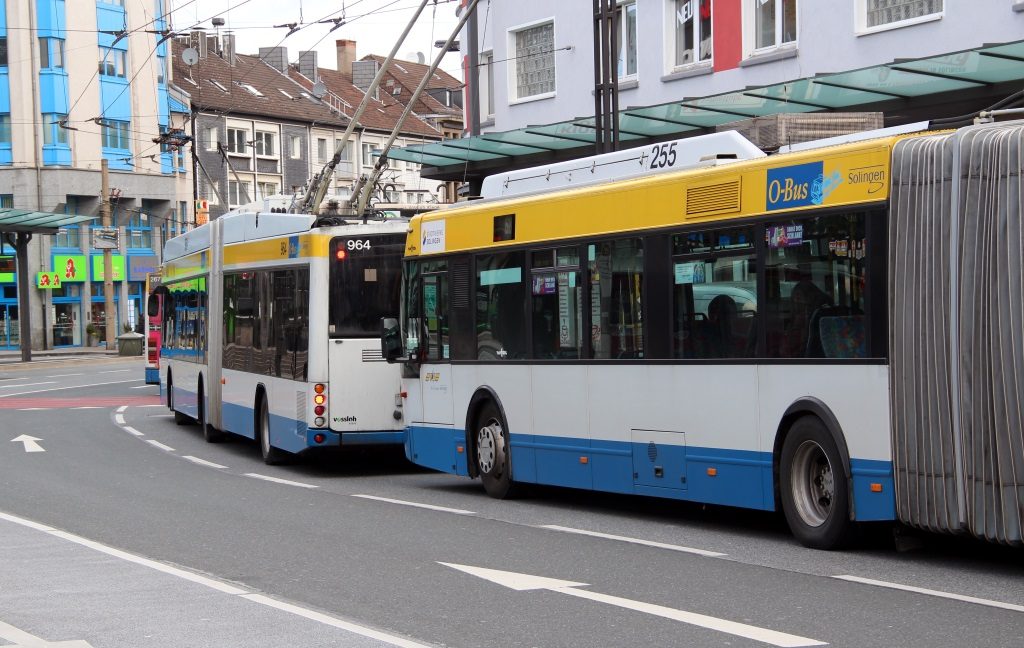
(375, 25)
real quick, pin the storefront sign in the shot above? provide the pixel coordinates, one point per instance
(72, 267)
(7, 269)
(116, 263)
(49, 280)
(141, 265)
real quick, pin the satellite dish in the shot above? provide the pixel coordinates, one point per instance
(189, 56)
(421, 58)
(319, 89)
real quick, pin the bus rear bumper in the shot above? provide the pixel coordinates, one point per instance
(329, 438)
(438, 448)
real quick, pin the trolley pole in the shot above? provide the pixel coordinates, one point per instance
(108, 262)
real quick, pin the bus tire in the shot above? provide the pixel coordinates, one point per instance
(814, 489)
(271, 456)
(210, 433)
(179, 418)
(491, 453)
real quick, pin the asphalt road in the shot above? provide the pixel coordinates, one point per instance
(128, 530)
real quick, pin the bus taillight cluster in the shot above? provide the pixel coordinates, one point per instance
(320, 405)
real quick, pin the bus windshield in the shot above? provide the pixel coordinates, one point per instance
(366, 277)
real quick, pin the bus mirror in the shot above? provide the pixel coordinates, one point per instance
(390, 339)
(153, 308)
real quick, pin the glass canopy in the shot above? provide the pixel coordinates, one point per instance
(27, 220)
(901, 79)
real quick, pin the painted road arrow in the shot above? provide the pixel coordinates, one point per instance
(30, 443)
(526, 582)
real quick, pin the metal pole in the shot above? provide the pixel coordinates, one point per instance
(474, 75)
(108, 260)
(24, 319)
(195, 175)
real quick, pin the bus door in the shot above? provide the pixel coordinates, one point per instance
(436, 374)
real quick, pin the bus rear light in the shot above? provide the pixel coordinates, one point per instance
(341, 254)
(712, 472)
(876, 488)
(319, 410)
(319, 388)
(319, 399)
(320, 422)
(319, 438)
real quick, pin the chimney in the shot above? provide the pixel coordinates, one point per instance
(228, 48)
(346, 51)
(275, 57)
(308, 66)
(363, 73)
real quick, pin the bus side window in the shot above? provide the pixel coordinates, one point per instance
(616, 273)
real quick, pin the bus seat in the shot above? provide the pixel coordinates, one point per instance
(843, 336)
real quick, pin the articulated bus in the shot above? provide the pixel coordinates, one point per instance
(152, 329)
(834, 332)
(270, 330)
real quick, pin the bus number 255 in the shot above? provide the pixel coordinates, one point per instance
(356, 244)
(663, 155)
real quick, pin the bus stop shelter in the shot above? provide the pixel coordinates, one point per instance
(17, 227)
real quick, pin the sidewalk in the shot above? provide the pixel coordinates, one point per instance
(14, 357)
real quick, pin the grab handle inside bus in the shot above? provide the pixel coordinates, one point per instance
(390, 339)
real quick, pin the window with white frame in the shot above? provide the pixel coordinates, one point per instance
(533, 51)
(321, 149)
(883, 13)
(369, 159)
(691, 31)
(237, 138)
(211, 138)
(265, 189)
(345, 161)
(486, 79)
(113, 62)
(264, 144)
(625, 18)
(239, 193)
(296, 147)
(774, 23)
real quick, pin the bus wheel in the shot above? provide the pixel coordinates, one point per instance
(211, 434)
(815, 497)
(271, 455)
(179, 418)
(492, 454)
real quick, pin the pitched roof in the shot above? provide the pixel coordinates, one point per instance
(409, 75)
(250, 87)
(379, 115)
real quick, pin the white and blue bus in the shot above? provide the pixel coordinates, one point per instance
(270, 330)
(833, 332)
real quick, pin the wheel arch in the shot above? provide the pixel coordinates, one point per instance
(483, 395)
(259, 396)
(810, 406)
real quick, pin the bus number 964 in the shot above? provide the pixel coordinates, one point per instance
(358, 244)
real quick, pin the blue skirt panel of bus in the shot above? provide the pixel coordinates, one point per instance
(711, 475)
(152, 376)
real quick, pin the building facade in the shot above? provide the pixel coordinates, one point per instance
(536, 57)
(82, 82)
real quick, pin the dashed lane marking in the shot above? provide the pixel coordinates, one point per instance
(33, 409)
(931, 592)
(443, 509)
(646, 543)
(121, 409)
(203, 462)
(278, 480)
(130, 430)
(160, 445)
(38, 391)
(36, 384)
(119, 418)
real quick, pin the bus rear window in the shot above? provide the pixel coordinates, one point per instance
(366, 277)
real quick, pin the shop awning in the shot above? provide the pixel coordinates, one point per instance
(901, 80)
(31, 221)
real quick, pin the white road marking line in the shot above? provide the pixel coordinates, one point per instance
(45, 382)
(88, 407)
(119, 418)
(131, 430)
(34, 409)
(278, 480)
(120, 410)
(160, 416)
(203, 462)
(443, 509)
(646, 543)
(931, 592)
(114, 371)
(157, 405)
(64, 375)
(142, 386)
(214, 584)
(38, 391)
(160, 445)
(331, 621)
